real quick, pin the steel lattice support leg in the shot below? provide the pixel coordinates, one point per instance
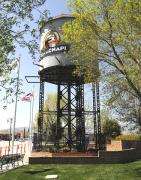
(68, 114)
(80, 121)
(69, 118)
(78, 117)
(83, 146)
(98, 116)
(40, 118)
(94, 113)
(71, 114)
(59, 114)
(64, 113)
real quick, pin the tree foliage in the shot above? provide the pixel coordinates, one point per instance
(50, 118)
(15, 25)
(110, 129)
(122, 102)
(108, 31)
(129, 137)
(107, 36)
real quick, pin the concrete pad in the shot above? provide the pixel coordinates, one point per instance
(51, 176)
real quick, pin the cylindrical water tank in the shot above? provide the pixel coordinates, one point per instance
(54, 64)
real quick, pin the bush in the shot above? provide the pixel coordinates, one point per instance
(110, 129)
(92, 150)
(66, 150)
(129, 137)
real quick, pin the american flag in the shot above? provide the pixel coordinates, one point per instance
(27, 97)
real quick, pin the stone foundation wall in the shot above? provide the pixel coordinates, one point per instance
(124, 156)
(131, 144)
(103, 157)
(119, 145)
(116, 145)
(66, 154)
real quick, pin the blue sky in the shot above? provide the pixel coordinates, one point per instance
(56, 7)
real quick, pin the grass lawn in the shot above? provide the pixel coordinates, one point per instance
(129, 171)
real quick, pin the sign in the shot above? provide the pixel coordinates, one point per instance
(56, 49)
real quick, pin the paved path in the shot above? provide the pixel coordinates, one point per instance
(19, 147)
(4, 169)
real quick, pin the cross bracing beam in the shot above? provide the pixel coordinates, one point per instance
(70, 111)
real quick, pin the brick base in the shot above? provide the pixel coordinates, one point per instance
(103, 157)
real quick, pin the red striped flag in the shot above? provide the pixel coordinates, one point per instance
(27, 97)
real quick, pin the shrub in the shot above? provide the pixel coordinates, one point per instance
(110, 129)
(66, 150)
(92, 150)
(129, 137)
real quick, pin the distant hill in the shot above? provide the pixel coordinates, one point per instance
(18, 129)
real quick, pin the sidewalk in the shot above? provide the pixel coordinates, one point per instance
(10, 167)
(18, 148)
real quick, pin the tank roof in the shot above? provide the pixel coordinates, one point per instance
(60, 16)
(56, 18)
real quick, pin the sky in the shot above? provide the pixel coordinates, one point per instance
(55, 7)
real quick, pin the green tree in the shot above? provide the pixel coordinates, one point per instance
(98, 32)
(122, 101)
(110, 129)
(50, 118)
(15, 32)
(108, 32)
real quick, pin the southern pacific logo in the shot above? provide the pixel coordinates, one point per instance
(50, 43)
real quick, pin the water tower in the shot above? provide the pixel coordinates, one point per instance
(57, 68)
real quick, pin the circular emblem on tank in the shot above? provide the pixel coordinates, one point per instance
(51, 39)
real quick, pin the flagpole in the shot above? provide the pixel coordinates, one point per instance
(31, 121)
(30, 117)
(15, 112)
(32, 110)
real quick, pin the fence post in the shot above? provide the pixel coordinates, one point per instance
(5, 150)
(17, 149)
(21, 148)
(8, 150)
(0, 151)
(24, 148)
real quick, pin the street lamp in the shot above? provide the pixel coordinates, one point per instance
(9, 121)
